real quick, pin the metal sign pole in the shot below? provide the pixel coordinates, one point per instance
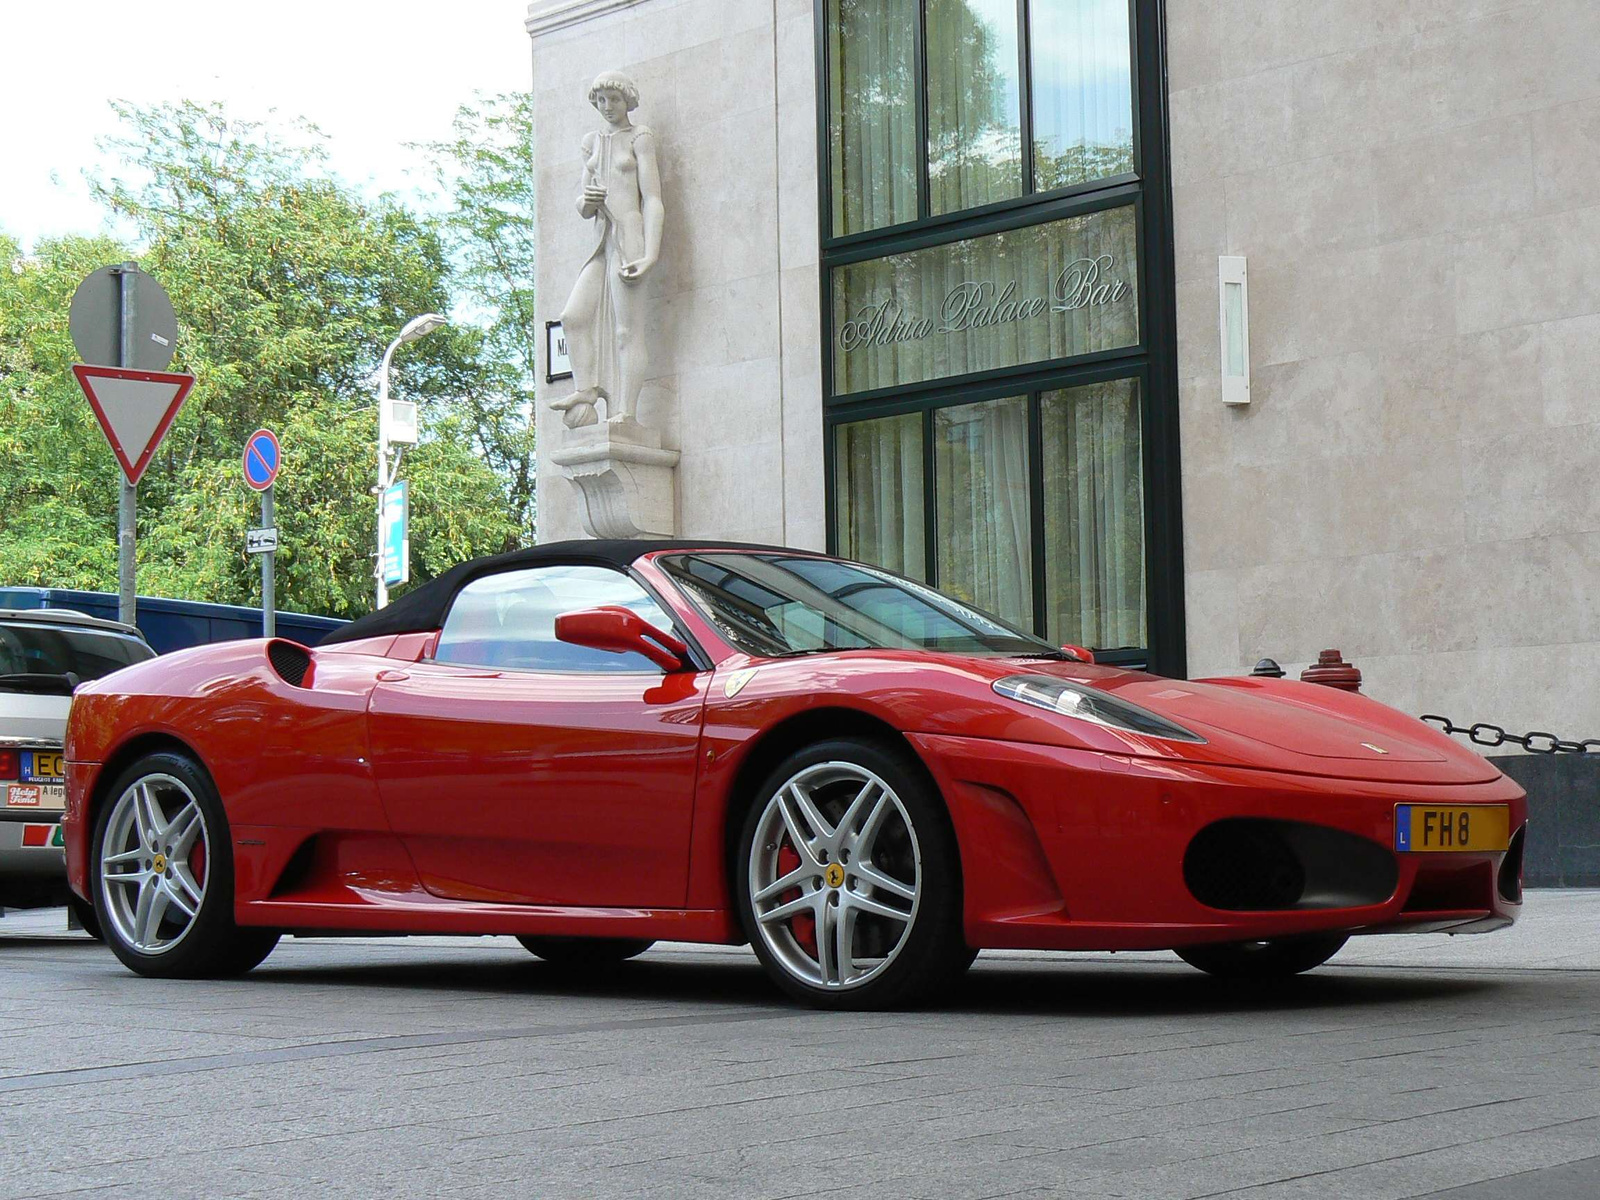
(128, 499)
(269, 610)
(382, 589)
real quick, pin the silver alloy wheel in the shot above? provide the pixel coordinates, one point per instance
(148, 863)
(863, 908)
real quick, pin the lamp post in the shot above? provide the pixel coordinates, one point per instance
(415, 328)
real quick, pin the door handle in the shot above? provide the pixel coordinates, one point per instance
(390, 675)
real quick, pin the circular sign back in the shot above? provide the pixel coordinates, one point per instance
(95, 320)
(261, 459)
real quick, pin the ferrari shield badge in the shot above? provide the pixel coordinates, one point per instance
(737, 680)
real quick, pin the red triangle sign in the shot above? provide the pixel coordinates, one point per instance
(134, 408)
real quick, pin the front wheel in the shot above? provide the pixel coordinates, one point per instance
(1264, 960)
(848, 879)
(83, 912)
(162, 875)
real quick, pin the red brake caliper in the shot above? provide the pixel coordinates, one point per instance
(197, 862)
(803, 925)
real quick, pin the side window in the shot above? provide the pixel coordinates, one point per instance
(509, 620)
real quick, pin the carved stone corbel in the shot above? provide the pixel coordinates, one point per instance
(626, 480)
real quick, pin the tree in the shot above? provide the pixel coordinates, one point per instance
(287, 287)
(487, 168)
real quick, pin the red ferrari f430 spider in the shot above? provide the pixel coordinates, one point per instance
(594, 745)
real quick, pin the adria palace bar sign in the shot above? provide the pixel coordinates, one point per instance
(978, 305)
(1033, 294)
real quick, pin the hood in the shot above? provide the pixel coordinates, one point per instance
(1282, 725)
(1292, 723)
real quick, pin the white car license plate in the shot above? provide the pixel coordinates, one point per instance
(34, 795)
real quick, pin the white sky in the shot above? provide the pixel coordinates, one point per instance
(373, 74)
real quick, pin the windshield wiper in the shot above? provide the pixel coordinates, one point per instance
(1058, 655)
(43, 682)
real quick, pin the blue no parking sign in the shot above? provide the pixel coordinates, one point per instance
(261, 459)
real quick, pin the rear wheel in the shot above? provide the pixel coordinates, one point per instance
(585, 952)
(848, 879)
(162, 875)
(1264, 960)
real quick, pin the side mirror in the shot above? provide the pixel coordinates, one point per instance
(619, 630)
(1082, 653)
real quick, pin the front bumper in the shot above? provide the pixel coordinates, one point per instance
(1066, 849)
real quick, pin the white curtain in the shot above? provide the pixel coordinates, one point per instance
(872, 54)
(981, 496)
(878, 482)
(1094, 515)
(1082, 91)
(974, 104)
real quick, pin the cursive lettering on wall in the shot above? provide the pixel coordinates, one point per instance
(1083, 283)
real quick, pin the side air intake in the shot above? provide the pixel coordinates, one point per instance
(290, 661)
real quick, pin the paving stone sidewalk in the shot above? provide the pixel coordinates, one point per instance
(1465, 1068)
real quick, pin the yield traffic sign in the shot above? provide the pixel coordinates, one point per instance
(134, 408)
(261, 459)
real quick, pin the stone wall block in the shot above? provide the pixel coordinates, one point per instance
(1211, 599)
(1569, 370)
(1540, 269)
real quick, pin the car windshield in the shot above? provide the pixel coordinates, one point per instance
(35, 657)
(773, 605)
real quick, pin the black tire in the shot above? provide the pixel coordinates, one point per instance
(585, 952)
(83, 912)
(1264, 960)
(931, 952)
(213, 946)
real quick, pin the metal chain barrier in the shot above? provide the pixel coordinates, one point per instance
(1485, 734)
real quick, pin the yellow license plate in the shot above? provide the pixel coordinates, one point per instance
(43, 766)
(1452, 828)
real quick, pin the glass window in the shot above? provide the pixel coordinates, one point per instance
(872, 106)
(1094, 515)
(1055, 290)
(29, 648)
(974, 104)
(783, 604)
(509, 620)
(981, 498)
(1082, 91)
(878, 477)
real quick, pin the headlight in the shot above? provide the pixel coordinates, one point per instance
(1088, 704)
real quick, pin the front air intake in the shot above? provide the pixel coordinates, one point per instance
(290, 661)
(1245, 864)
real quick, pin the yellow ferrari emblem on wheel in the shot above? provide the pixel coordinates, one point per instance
(834, 875)
(159, 864)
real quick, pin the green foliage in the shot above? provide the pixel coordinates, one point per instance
(287, 287)
(488, 168)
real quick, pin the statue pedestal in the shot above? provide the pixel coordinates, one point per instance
(627, 481)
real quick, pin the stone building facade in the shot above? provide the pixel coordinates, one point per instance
(1413, 184)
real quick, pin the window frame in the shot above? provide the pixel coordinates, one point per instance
(697, 657)
(1153, 360)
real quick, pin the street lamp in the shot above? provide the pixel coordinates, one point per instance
(389, 429)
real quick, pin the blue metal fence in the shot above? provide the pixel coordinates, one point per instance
(175, 624)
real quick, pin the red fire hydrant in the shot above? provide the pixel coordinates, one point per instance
(1332, 671)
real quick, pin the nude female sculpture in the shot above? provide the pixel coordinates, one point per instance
(621, 193)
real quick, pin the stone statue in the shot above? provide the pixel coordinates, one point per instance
(621, 193)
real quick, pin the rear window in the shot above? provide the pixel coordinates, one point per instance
(31, 650)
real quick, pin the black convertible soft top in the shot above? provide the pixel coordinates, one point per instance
(423, 608)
